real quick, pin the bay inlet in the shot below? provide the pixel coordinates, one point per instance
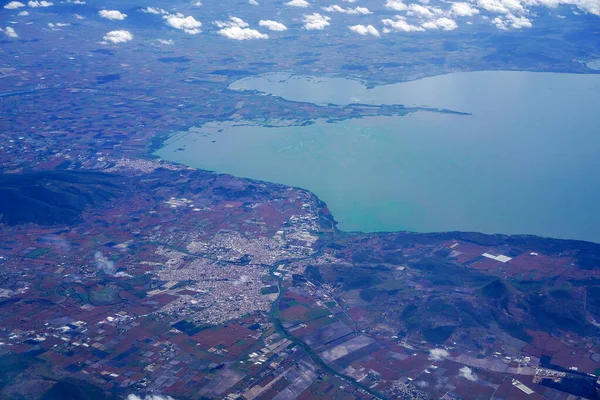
(526, 160)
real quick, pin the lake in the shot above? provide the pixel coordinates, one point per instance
(526, 159)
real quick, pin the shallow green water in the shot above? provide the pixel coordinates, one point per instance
(526, 161)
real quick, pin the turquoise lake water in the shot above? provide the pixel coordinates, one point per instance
(527, 159)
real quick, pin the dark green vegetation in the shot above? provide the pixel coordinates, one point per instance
(433, 297)
(189, 328)
(576, 385)
(438, 334)
(53, 197)
(12, 365)
(103, 295)
(495, 290)
(269, 290)
(76, 390)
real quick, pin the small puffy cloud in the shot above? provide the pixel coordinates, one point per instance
(237, 29)
(233, 21)
(500, 23)
(423, 11)
(297, 3)
(519, 22)
(149, 397)
(462, 9)
(118, 37)
(10, 32)
(443, 23)
(400, 25)
(112, 14)
(272, 25)
(396, 5)
(165, 41)
(253, 2)
(364, 30)
(14, 4)
(315, 21)
(154, 10)
(57, 25)
(438, 354)
(501, 6)
(239, 33)
(512, 22)
(43, 3)
(76, 2)
(187, 24)
(104, 264)
(467, 373)
(353, 11)
(23, 13)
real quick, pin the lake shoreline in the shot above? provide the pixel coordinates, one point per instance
(357, 157)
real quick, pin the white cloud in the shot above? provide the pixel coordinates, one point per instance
(57, 25)
(438, 354)
(153, 10)
(512, 22)
(591, 6)
(43, 3)
(519, 22)
(76, 2)
(236, 28)
(423, 11)
(399, 24)
(239, 33)
(187, 24)
(297, 3)
(10, 32)
(443, 23)
(165, 41)
(467, 373)
(365, 30)
(233, 21)
(112, 14)
(272, 25)
(118, 36)
(253, 2)
(23, 13)
(501, 6)
(353, 11)
(396, 5)
(14, 4)
(315, 21)
(149, 397)
(198, 4)
(462, 9)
